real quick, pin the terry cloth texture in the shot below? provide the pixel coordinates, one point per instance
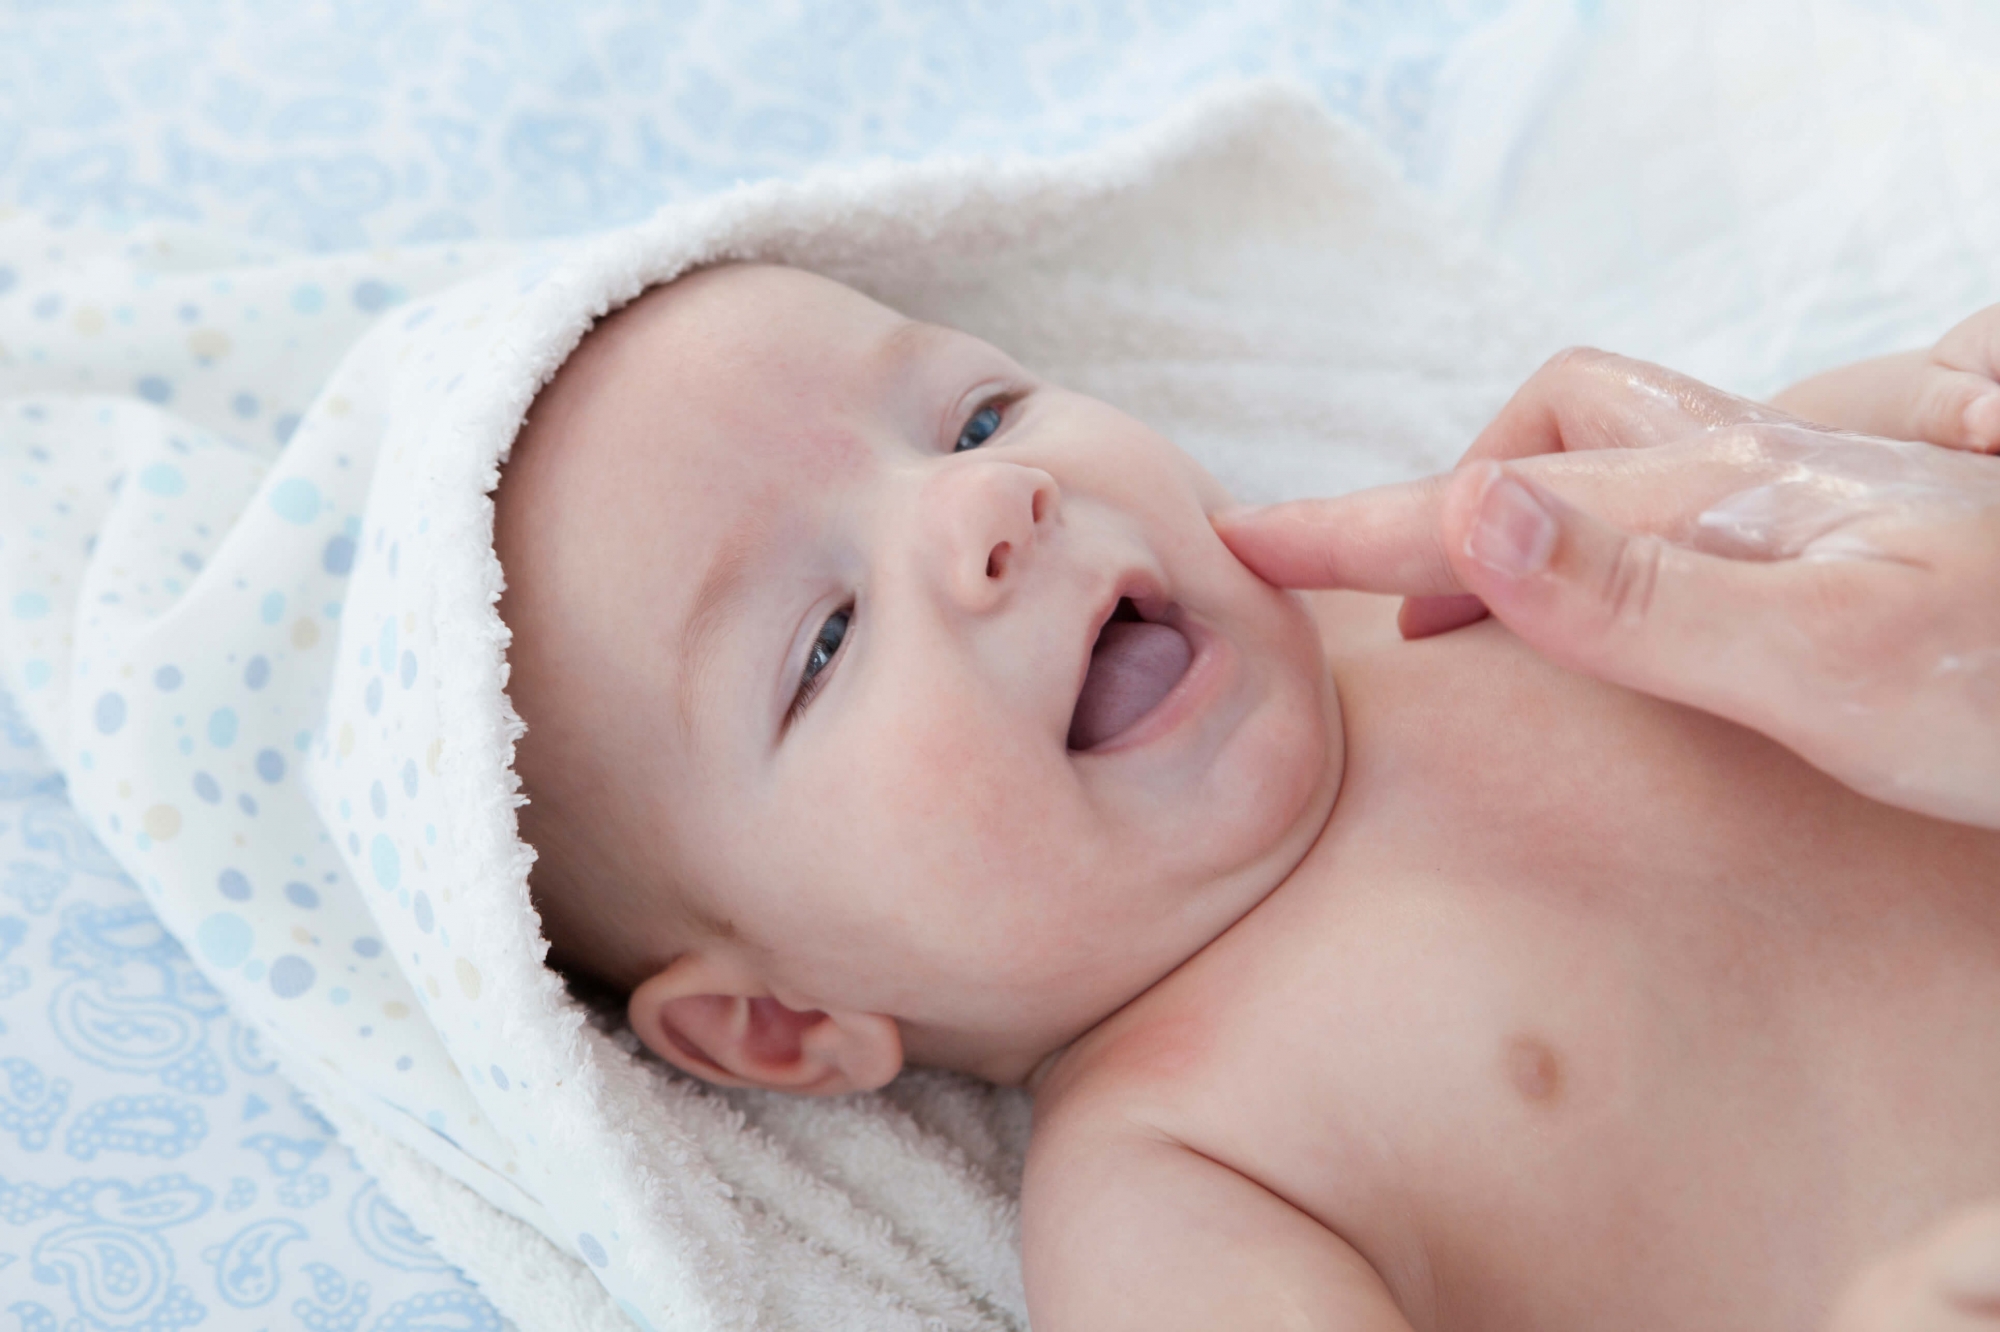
(273, 677)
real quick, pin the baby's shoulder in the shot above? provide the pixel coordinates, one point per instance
(1148, 1071)
(1127, 1098)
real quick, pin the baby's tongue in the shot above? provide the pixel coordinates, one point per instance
(1132, 667)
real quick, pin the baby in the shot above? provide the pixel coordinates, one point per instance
(890, 705)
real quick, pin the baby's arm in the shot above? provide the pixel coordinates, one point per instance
(1947, 395)
(1123, 1228)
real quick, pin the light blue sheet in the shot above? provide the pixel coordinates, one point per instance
(155, 1173)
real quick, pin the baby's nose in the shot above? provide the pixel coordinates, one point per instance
(987, 519)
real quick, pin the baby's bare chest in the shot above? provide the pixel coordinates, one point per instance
(1632, 1021)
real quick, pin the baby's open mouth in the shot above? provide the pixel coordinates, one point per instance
(1133, 666)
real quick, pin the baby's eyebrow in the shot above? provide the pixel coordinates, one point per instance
(909, 341)
(720, 591)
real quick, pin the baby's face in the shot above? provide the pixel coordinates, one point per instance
(814, 589)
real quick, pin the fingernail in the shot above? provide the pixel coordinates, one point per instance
(1235, 513)
(1514, 535)
(1982, 419)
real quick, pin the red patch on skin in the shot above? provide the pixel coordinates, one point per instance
(1164, 1049)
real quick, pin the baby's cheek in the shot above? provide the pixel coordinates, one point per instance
(819, 458)
(1276, 782)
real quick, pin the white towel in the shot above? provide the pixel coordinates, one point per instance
(273, 675)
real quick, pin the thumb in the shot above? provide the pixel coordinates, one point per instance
(1632, 609)
(1956, 409)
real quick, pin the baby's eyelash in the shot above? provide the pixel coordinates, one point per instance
(810, 680)
(1001, 404)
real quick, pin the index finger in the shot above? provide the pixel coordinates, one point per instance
(1390, 538)
(1385, 539)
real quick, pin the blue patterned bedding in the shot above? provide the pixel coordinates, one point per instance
(155, 1172)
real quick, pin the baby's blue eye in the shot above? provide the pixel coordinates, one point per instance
(820, 655)
(979, 429)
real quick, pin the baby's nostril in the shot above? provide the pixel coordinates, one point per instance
(996, 562)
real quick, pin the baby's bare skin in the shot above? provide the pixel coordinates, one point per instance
(1585, 1011)
(1438, 987)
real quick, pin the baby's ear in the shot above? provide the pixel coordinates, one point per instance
(708, 1016)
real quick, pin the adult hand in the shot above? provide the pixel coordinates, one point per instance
(1839, 593)
(1945, 1280)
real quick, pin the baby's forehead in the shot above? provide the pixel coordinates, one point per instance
(734, 322)
(733, 389)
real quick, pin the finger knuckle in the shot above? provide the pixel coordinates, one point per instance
(1836, 599)
(1866, 630)
(1940, 407)
(1580, 353)
(1577, 360)
(1631, 582)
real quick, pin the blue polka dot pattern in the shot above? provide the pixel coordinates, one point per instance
(291, 976)
(296, 499)
(224, 939)
(270, 765)
(162, 479)
(371, 295)
(109, 713)
(388, 865)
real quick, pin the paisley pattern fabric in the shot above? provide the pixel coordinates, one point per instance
(155, 1172)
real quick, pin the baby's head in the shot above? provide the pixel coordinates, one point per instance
(803, 596)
